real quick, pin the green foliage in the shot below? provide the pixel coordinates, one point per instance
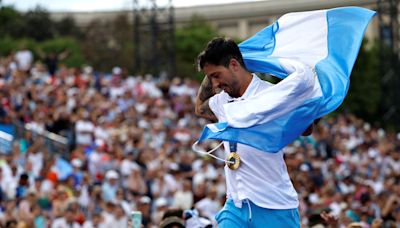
(39, 25)
(109, 44)
(35, 24)
(71, 45)
(364, 93)
(67, 27)
(190, 41)
(12, 23)
(8, 45)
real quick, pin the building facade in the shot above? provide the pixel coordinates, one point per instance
(237, 20)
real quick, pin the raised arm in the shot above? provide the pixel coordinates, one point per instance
(202, 109)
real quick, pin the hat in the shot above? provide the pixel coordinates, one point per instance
(100, 143)
(112, 174)
(161, 202)
(145, 200)
(304, 167)
(116, 70)
(52, 176)
(173, 167)
(172, 221)
(76, 162)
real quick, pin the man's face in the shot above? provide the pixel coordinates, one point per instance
(223, 78)
(69, 216)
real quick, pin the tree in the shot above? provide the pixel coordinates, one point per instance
(71, 46)
(191, 40)
(12, 23)
(67, 27)
(364, 93)
(109, 43)
(123, 36)
(39, 25)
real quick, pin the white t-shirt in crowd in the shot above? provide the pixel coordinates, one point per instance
(208, 207)
(84, 130)
(24, 59)
(62, 223)
(183, 200)
(262, 177)
(36, 159)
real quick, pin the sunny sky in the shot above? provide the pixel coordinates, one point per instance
(102, 5)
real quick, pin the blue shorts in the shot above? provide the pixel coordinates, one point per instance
(251, 215)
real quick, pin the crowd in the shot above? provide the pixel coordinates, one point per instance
(130, 150)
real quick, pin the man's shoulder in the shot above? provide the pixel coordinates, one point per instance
(263, 84)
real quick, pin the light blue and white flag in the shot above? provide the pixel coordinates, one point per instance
(314, 53)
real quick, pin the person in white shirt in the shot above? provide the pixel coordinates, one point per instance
(259, 192)
(98, 221)
(209, 206)
(120, 218)
(183, 198)
(67, 221)
(84, 129)
(24, 59)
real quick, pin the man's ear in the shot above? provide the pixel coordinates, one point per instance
(234, 64)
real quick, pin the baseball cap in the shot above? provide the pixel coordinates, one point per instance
(112, 174)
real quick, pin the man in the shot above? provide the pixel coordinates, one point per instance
(259, 192)
(110, 186)
(66, 221)
(24, 59)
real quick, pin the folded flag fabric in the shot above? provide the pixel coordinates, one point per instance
(63, 168)
(314, 53)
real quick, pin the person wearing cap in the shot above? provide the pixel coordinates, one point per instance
(172, 222)
(161, 206)
(120, 218)
(67, 220)
(108, 213)
(77, 173)
(183, 198)
(144, 206)
(173, 218)
(110, 186)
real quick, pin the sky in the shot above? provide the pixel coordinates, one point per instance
(102, 5)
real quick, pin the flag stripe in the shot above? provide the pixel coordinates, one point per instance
(346, 30)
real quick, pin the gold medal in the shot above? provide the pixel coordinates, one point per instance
(233, 161)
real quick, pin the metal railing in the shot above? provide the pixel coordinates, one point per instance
(56, 144)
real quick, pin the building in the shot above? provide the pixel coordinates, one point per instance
(238, 20)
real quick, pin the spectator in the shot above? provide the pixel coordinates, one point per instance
(209, 206)
(183, 198)
(110, 186)
(24, 59)
(65, 221)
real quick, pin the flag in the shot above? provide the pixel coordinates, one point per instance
(63, 168)
(314, 53)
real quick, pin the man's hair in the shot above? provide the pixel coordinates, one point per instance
(219, 52)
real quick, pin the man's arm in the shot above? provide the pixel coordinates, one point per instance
(202, 108)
